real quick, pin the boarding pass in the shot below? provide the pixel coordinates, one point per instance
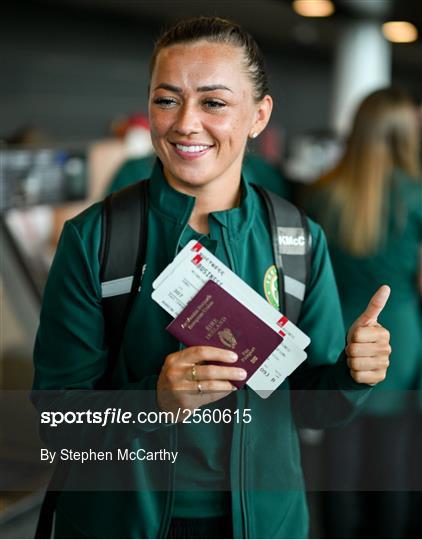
(187, 274)
(198, 265)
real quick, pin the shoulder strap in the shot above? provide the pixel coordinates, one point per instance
(122, 260)
(291, 240)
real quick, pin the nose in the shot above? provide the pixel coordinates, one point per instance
(188, 120)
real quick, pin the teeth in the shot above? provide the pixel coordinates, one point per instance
(191, 149)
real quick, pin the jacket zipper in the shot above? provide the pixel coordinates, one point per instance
(166, 519)
(242, 467)
(242, 476)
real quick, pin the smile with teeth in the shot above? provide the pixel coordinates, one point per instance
(191, 149)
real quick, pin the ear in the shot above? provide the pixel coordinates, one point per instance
(262, 116)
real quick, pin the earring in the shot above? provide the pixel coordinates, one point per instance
(254, 135)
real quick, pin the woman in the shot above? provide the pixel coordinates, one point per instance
(208, 96)
(371, 208)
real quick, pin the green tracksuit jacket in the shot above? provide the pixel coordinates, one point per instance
(265, 476)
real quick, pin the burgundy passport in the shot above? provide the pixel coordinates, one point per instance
(214, 317)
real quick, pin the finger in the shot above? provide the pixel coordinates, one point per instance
(367, 349)
(203, 353)
(369, 334)
(368, 364)
(211, 372)
(375, 306)
(368, 377)
(188, 397)
(210, 387)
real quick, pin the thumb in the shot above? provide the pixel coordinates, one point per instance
(374, 308)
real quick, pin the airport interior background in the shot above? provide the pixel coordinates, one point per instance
(73, 105)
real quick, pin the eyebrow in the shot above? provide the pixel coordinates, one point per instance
(212, 87)
(208, 88)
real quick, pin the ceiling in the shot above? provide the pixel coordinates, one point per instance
(272, 21)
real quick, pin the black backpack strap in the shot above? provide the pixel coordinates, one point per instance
(122, 262)
(292, 247)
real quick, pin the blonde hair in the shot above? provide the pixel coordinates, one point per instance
(384, 136)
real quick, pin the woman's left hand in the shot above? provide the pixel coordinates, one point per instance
(368, 343)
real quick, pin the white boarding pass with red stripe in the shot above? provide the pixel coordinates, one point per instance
(188, 273)
(200, 265)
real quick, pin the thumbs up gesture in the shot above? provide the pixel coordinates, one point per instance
(368, 343)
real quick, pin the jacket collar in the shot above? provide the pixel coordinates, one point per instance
(178, 206)
(168, 201)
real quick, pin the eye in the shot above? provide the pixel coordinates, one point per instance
(165, 102)
(214, 104)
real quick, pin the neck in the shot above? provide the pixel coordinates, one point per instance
(214, 197)
(213, 201)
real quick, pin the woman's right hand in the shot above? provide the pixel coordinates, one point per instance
(186, 383)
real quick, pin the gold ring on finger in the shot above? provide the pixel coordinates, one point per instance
(193, 372)
(199, 387)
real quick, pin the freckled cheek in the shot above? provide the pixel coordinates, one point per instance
(155, 138)
(225, 133)
(158, 142)
(159, 124)
(232, 135)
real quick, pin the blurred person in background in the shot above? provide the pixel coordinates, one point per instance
(370, 206)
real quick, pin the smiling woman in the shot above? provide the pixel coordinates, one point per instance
(208, 96)
(202, 110)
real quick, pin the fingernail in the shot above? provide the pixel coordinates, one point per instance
(234, 388)
(242, 373)
(233, 357)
